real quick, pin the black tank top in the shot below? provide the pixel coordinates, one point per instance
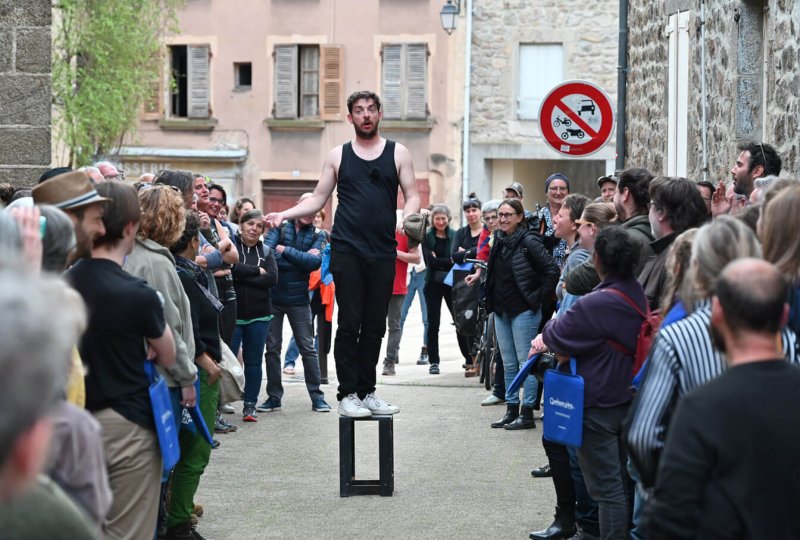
(365, 217)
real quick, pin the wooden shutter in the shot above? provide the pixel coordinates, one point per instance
(286, 65)
(331, 81)
(199, 81)
(392, 81)
(151, 103)
(416, 78)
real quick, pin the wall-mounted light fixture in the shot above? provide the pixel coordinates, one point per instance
(449, 15)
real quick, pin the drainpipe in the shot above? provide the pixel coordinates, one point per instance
(703, 85)
(467, 91)
(622, 78)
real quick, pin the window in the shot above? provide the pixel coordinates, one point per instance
(678, 85)
(541, 67)
(242, 75)
(404, 77)
(190, 88)
(308, 82)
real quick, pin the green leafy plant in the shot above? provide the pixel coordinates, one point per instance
(106, 54)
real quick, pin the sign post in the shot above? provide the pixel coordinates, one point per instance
(576, 118)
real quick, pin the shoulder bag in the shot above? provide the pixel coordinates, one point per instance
(164, 417)
(563, 406)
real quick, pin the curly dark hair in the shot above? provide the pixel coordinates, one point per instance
(617, 252)
(362, 94)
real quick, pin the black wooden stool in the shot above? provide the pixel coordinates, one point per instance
(348, 485)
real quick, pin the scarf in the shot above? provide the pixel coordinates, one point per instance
(199, 278)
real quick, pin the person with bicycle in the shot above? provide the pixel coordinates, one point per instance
(520, 274)
(496, 381)
(465, 246)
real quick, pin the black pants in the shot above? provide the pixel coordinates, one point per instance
(227, 322)
(363, 291)
(558, 458)
(434, 294)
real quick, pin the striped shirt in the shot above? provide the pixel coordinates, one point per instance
(683, 358)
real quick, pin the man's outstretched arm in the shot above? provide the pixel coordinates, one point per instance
(313, 204)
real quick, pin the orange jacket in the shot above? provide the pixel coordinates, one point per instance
(327, 292)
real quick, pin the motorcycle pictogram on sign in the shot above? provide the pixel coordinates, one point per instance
(576, 118)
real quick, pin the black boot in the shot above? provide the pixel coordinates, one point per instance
(512, 412)
(524, 420)
(563, 526)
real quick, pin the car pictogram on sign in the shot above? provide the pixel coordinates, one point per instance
(576, 118)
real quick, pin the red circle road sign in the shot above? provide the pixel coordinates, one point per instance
(576, 118)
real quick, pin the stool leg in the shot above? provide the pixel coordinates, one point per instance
(386, 455)
(346, 455)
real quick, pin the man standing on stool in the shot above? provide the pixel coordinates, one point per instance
(368, 171)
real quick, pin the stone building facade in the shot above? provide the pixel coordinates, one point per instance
(553, 41)
(24, 90)
(752, 74)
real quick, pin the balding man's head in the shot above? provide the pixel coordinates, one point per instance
(752, 294)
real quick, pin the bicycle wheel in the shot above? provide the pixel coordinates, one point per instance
(489, 354)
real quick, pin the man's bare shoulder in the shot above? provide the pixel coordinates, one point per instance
(402, 156)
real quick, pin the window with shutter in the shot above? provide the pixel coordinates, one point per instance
(404, 81)
(332, 79)
(190, 81)
(199, 81)
(151, 104)
(298, 82)
(541, 67)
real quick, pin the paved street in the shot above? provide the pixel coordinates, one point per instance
(455, 477)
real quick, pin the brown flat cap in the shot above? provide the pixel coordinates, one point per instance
(67, 191)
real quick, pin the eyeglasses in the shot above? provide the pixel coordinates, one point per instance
(652, 205)
(506, 215)
(215, 200)
(491, 217)
(763, 155)
(557, 188)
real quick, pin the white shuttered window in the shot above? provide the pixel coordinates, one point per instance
(541, 67)
(308, 82)
(190, 85)
(404, 81)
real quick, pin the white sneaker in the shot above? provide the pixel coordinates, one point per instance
(491, 399)
(378, 406)
(227, 408)
(352, 406)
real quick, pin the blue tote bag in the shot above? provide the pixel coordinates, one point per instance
(563, 406)
(164, 417)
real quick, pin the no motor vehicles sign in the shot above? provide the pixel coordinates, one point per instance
(576, 118)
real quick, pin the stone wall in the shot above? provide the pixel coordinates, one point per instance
(25, 48)
(735, 56)
(587, 29)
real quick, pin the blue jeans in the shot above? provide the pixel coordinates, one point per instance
(514, 336)
(251, 337)
(415, 285)
(639, 502)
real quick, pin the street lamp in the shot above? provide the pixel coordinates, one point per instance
(448, 15)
